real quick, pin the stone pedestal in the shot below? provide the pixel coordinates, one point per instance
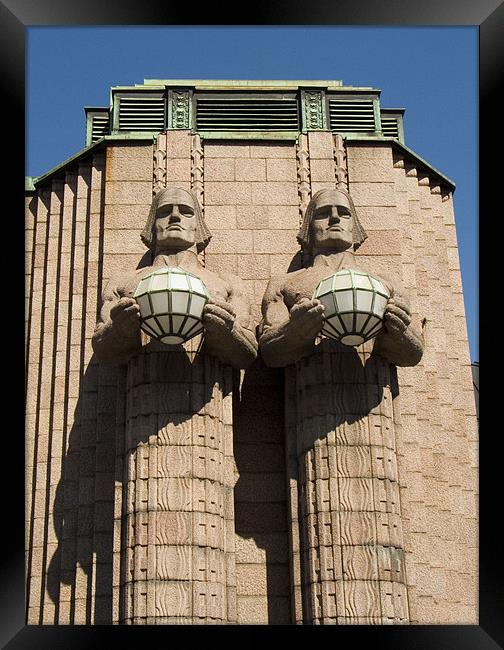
(178, 540)
(347, 551)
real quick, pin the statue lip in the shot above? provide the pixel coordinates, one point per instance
(335, 228)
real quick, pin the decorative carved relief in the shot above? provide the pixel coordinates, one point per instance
(159, 180)
(180, 109)
(313, 110)
(197, 178)
(303, 174)
(340, 162)
(197, 168)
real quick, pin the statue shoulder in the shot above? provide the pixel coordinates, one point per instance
(230, 279)
(393, 282)
(278, 284)
(122, 283)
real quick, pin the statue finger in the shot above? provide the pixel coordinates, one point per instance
(395, 323)
(223, 305)
(304, 306)
(220, 311)
(215, 322)
(399, 313)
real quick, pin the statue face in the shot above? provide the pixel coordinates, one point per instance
(332, 223)
(175, 225)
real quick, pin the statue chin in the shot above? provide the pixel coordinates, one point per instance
(173, 245)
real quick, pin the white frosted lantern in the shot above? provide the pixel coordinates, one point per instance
(171, 304)
(354, 304)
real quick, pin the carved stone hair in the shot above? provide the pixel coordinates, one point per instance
(304, 235)
(203, 235)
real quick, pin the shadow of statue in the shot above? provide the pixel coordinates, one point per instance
(88, 500)
(264, 472)
(261, 523)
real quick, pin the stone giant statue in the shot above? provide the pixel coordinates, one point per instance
(330, 234)
(175, 232)
(177, 553)
(347, 554)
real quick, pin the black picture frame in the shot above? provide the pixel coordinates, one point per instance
(15, 17)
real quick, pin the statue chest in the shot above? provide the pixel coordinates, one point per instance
(217, 287)
(303, 285)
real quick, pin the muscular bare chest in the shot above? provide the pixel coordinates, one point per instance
(218, 288)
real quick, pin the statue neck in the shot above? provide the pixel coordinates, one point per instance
(334, 260)
(187, 258)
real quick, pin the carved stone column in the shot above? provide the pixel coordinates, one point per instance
(347, 548)
(179, 536)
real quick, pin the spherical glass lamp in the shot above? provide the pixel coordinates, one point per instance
(171, 304)
(354, 304)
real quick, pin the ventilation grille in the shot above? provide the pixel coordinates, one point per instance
(390, 127)
(99, 126)
(141, 113)
(246, 114)
(351, 116)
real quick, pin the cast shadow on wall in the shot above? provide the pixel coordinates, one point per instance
(80, 574)
(261, 505)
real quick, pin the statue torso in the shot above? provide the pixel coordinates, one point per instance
(218, 287)
(302, 284)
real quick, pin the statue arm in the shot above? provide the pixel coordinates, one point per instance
(399, 341)
(287, 337)
(228, 328)
(117, 336)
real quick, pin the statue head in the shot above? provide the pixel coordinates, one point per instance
(175, 222)
(331, 223)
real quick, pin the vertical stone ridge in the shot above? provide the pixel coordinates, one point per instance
(32, 422)
(59, 570)
(45, 492)
(159, 163)
(84, 425)
(197, 175)
(303, 174)
(340, 162)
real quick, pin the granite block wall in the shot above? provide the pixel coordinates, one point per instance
(84, 225)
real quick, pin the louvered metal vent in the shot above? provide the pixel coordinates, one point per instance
(99, 126)
(246, 114)
(140, 113)
(351, 116)
(390, 127)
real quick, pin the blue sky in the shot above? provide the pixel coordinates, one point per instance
(432, 72)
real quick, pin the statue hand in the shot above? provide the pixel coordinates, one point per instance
(125, 316)
(397, 316)
(218, 316)
(306, 319)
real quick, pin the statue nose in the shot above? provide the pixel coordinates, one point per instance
(175, 214)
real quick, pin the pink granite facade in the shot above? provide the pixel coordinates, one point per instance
(86, 223)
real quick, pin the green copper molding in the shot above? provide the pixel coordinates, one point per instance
(248, 135)
(179, 109)
(314, 98)
(83, 153)
(313, 110)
